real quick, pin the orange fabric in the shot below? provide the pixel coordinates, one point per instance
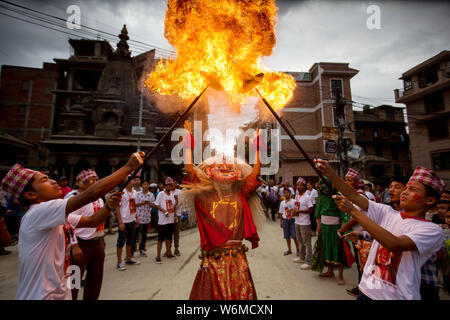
(229, 279)
(363, 248)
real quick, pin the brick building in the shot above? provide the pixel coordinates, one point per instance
(97, 104)
(382, 135)
(311, 109)
(426, 94)
(26, 106)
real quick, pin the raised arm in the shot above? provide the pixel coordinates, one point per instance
(387, 239)
(100, 216)
(102, 187)
(340, 184)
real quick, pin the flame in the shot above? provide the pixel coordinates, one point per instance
(221, 44)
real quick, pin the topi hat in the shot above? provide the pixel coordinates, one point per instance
(17, 179)
(428, 178)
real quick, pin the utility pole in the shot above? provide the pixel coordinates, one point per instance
(341, 145)
(140, 117)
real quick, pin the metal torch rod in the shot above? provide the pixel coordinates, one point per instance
(161, 141)
(299, 147)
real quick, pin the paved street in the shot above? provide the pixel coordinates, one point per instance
(275, 275)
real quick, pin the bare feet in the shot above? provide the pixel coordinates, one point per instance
(340, 282)
(327, 275)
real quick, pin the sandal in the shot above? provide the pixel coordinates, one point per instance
(168, 255)
(5, 252)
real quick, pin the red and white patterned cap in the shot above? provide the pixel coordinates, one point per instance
(86, 174)
(17, 179)
(352, 173)
(428, 178)
(301, 180)
(169, 180)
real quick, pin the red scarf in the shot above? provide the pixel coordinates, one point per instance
(404, 215)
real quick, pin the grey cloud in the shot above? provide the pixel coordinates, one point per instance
(307, 32)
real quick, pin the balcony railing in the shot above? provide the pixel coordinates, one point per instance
(400, 93)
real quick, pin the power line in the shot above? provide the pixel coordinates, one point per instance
(168, 52)
(84, 33)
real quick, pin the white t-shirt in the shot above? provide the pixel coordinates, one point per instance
(396, 276)
(87, 211)
(128, 212)
(176, 194)
(370, 196)
(303, 202)
(167, 202)
(313, 194)
(144, 211)
(42, 252)
(71, 193)
(286, 205)
(273, 189)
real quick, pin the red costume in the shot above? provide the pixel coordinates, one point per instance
(224, 273)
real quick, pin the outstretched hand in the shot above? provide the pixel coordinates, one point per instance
(136, 160)
(343, 204)
(323, 166)
(353, 236)
(114, 198)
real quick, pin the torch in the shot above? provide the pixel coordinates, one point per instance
(299, 147)
(166, 135)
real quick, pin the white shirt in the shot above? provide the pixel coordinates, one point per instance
(370, 196)
(42, 252)
(87, 211)
(4, 197)
(176, 194)
(125, 212)
(376, 281)
(286, 205)
(313, 194)
(71, 193)
(167, 202)
(144, 211)
(273, 189)
(303, 202)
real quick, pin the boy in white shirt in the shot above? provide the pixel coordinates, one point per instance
(44, 241)
(404, 241)
(287, 222)
(165, 202)
(302, 211)
(313, 195)
(128, 223)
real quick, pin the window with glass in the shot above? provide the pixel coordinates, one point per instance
(441, 160)
(438, 129)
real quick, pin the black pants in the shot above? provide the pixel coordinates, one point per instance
(274, 207)
(143, 227)
(93, 260)
(363, 297)
(429, 292)
(313, 220)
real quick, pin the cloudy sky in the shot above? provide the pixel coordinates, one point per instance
(307, 32)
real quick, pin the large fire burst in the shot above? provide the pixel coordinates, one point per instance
(221, 44)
